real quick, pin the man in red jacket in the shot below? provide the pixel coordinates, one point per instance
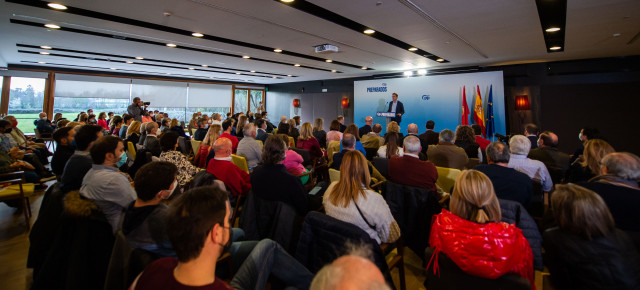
(227, 127)
(410, 170)
(221, 166)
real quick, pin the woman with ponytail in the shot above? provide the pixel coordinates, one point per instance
(473, 236)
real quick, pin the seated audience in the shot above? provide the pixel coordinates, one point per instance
(116, 125)
(64, 138)
(165, 125)
(519, 146)
(175, 127)
(91, 119)
(349, 272)
(144, 220)
(143, 133)
(368, 122)
(353, 130)
(319, 133)
(288, 188)
(80, 162)
(29, 162)
(151, 141)
(44, 125)
(410, 170)
(393, 127)
(347, 144)
(199, 231)
(373, 139)
(293, 130)
(587, 166)
(482, 142)
(446, 154)
(352, 200)
(133, 133)
(261, 134)
(124, 130)
(412, 130)
(221, 167)
(19, 139)
(430, 137)
(216, 119)
(202, 129)
(585, 135)
(390, 147)
(557, 162)
(293, 161)
(102, 121)
(334, 133)
(201, 159)
(340, 119)
(170, 153)
(508, 183)
(473, 236)
(103, 184)
(193, 125)
(306, 141)
(227, 127)
(531, 131)
(242, 120)
(466, 140)
(248, 147)
(586, 251)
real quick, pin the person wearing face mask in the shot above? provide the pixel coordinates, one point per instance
(63, 137)
(199, 230)
(103, 184)
(143, 222)
(203, 127)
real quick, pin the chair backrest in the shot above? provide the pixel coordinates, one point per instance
(240, 161)
(195, 145)
(131, 149)
(472, 163)
(382, 165)
(450, 276)
(334, 175)
(260, 141)
(446, 177)
(371, 153)
(183, 145)
(306, 156)
(292, 142)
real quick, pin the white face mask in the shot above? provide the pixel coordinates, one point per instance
(174, 186)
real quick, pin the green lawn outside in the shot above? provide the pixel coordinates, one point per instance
(25, 121)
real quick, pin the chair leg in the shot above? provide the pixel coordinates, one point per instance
(403, 283)
(28, 205)
(26, 215)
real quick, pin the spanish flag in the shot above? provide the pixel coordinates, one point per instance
(478, 116)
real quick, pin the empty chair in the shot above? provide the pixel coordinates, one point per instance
(240, 161)
(446, 178)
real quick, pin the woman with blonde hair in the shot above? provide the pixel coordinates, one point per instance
(133, 133)
(307, 141)
(207, 144)
(216, 119)
(473, 236)
(588, 165)
(319, 132)
(393, 127)
(351, 200)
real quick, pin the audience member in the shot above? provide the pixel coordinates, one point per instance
(531, 131)
(124, 130)
(201, 131)
(465, 139)
(353, 130)
(393, 127)
(18, 139)
(110, 119)
(586, 251)
(44, 125)
(508, 183)
(519, 146)
(334, 133)
(64, 138)
(373, 139)
(80, 162)
(586, 134)
(116, 126)
(446, 154)
(306, 141)
(165, 125)
(368, 122)
(587, 166)
(91, 120)
(135, 110)
(103, 184)
(319, 133)
(102, 121)
(352, 200)
(201, 159)
(557, 162)
(242, 120)
(473, 236)
(143, 133)
(261, 134)
(431, 137)
(347, 144)
(390, 147)
(340, 119)
(227, 127)
(176, 127)
(293, 161)
(193, 125)
(349, 272)
(221, 167)
(248, 147)
(293, 131)
(482, 142)
(133, 133)
(170, 153)
(410, 170)
(151, 141)
(288, 188)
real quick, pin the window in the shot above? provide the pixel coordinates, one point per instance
(247, 100)
(26, 100)
(164, 96)
(240, 101)
(75, 94)
(208, 99)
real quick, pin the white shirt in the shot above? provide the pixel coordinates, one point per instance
(535, 169)
(393, 106)
(223, 158)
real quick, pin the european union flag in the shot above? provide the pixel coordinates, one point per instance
(491, 129)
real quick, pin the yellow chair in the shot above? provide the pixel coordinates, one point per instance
(260, 143)
(446, 178)
(132, 150)
(334, 175)
(240, 161)
(195, 145)
(275, 131)
(292, 143)
(18, 190)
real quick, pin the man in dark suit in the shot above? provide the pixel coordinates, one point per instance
(342, 126)
(557, 162)
(396, 107)
(151, 142)
(410, 170)
(262, 135)
(348, 144)
(368, 121)
(531, 131)
(429, 137)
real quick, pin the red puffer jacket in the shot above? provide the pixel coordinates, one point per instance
(485, 250)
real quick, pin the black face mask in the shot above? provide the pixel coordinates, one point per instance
(7, 131)
(227, 245)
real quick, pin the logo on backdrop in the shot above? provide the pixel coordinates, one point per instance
(426, 97)
(380, 89)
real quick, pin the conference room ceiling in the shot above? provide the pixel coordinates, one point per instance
(104, 35)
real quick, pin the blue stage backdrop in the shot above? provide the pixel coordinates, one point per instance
(437, 98)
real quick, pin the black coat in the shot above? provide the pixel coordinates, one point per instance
(60, 158)
(514, 213)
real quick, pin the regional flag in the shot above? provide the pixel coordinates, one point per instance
(491, 129)
(478, 116)
(465, 108)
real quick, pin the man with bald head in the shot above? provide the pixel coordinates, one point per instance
(350, 273)
(412, 130)
(221, 167)
(557, 162)
(368, 121)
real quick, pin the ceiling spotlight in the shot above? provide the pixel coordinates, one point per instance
(129, 62)
(289, 75)
(204, 65)
(297, 64)
(555, 47)
(328, 60)
(440, 60)
(408, 73)
(277, 50)
(191, 68)
(422, 71)
(274, 77)
(246, 57)
(369, 31)
(139, 57)
(52, 26)
(238, 73)
(44, 52)
(113, 68)
(287, 1)
(552, 29)
(333, 70)
(45, 47)
(253, 71)
(42, 62)
(413, 48)
(212, 77)
(197, 34)
(57, 6)
(171, 45)
(364, 67)
(168, 73)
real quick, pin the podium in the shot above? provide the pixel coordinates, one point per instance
(387, 115)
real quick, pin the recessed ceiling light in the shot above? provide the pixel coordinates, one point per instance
(369, 31)
(333, 70)
(328, 60)
(246, 57)
(413, 48)
(139, 57)
(364, 67)
(617, 34)
(253, 71)
(297, 64)
(289, 75)
(42, 62)
(238, 73)
(274, 77)
(212, 77)
(113, 68)
(168, 73)
(287, 1)
(45, 47)
(408, 73)
(171, 45)
(555, 47)
(204, 65)
(52, 26)
(44, 52)
(277, 50)
(440, 60)
(197, 34)
(191, 68)
(57, 6)
(552, 29)
(129, 62)
(422, 71)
